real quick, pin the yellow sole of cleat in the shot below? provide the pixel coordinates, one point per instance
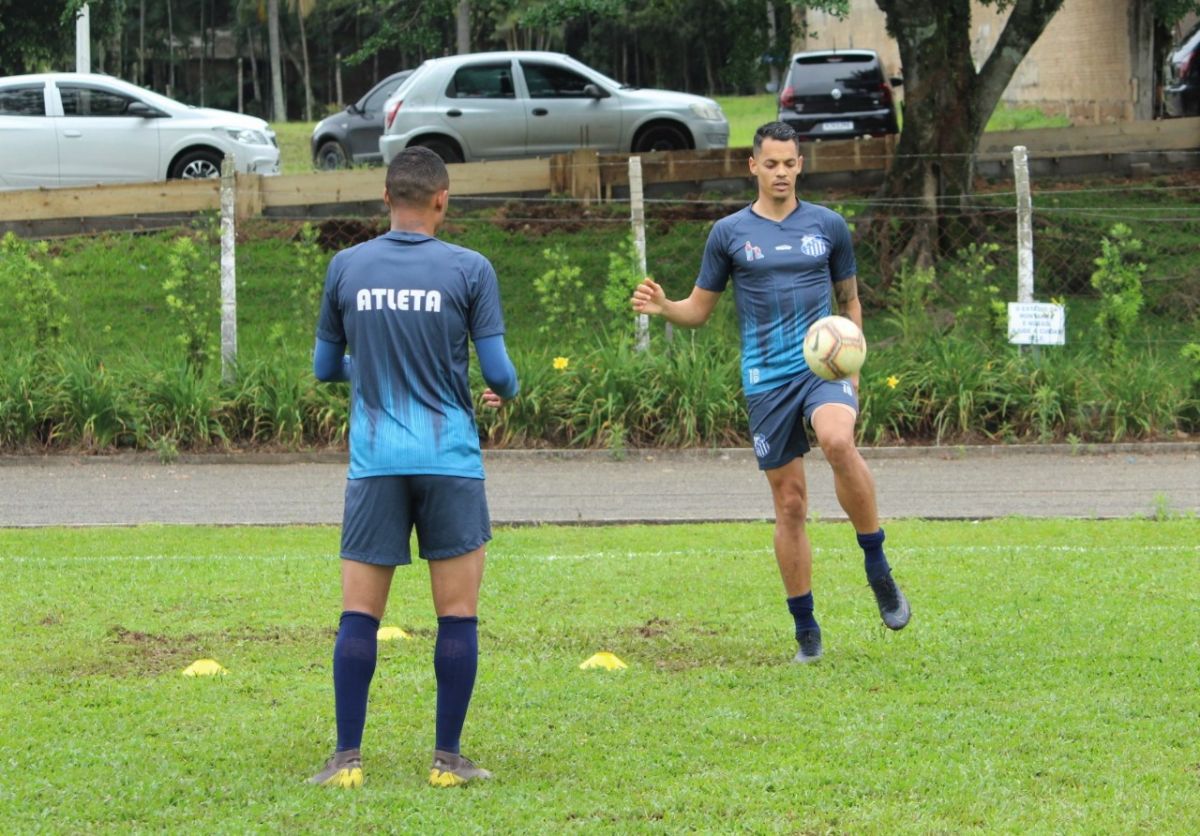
(345, 779)
(438, 778)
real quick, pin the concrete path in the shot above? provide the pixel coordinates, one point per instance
(593, 487)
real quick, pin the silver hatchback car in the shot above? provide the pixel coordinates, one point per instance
(494, 105)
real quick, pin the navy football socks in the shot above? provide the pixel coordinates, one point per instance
(874, 561)
(455, 661)
(354, 655)
(801, 608)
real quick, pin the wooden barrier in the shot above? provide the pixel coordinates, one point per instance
(732, 163)
(1118, 138)
(583, 174)
(170, 197)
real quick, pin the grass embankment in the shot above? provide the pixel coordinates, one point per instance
(1034, 690)
(940, 368)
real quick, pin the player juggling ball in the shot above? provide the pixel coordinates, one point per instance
(789, 261)
(405, 304)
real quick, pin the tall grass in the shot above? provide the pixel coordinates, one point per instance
(936, 387)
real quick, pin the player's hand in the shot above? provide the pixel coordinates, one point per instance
(648, 297)
(491, 400)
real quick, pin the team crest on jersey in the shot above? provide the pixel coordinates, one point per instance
(753, 253)
(812, 245)
(761, 446)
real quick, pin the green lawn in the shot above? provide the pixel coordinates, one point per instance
(745, 114)
(1046, 684)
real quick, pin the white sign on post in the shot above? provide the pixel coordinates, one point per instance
(1036, 323)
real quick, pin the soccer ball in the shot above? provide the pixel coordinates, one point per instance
(834, 348)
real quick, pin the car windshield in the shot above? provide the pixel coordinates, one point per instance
(826, 70)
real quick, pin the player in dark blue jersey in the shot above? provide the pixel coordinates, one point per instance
(790, 262)
(406, 304)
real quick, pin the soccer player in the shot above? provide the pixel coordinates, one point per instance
(789, 260)
(405, 304)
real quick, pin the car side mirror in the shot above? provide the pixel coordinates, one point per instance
(896, 81)
(143, 110)
(594, 91)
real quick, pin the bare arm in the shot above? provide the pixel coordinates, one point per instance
(850, 306)
(846, 293)
(691, 312)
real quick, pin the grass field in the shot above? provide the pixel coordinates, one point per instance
(1047, 684)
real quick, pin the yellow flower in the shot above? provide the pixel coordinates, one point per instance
(561, 363)
(892, 381)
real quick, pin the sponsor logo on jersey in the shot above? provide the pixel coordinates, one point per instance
(754, 376)
(784, 248)
(848, 389)
(814, 246)
(395, 299)
(753, 253)
(761, 446)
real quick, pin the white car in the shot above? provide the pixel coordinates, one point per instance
(493, 105)
(75, 129)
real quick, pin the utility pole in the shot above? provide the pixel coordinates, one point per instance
(83, 41)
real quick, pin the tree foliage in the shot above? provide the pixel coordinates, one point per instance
(183, 47)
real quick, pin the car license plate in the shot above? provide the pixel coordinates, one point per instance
(837, 126)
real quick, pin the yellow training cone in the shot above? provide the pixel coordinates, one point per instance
(387, 634)
(603, 659)
(204, 667)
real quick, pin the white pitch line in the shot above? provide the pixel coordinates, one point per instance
(907, 551)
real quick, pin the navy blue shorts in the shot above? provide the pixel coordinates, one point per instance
(450, 515)
(778, 417)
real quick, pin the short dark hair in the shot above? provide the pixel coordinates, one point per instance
(415, 175)
(780, 131)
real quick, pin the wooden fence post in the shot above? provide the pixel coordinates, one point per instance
(583, 174)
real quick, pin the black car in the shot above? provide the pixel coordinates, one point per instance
(1182, 94)
(352, 136)
(838, 94)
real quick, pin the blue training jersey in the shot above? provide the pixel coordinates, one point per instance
(405, 303)
(783, 274)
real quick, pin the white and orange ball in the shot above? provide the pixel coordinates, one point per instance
(834, 348)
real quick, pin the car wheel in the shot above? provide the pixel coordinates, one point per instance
(197, 165)
(331, 155)
(442, 147)
(660, 138)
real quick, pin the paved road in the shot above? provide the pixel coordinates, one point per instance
(531, 487)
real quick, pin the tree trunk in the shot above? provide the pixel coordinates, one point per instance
(257, 91)
(947, 105)
(170, 52)
(141, 60)
(1141, 51)
(308, 96)
(278, 106)
(463, 26)
(203, 54)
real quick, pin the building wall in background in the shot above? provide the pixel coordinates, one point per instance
(1083, 66)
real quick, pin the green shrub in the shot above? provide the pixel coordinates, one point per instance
(38, 305)
(1118, 278)
(565, 304)
(192, 289)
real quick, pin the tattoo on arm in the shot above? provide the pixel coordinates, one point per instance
(846, 291)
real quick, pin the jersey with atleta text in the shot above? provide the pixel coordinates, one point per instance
(783, 274)
(406, 304)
